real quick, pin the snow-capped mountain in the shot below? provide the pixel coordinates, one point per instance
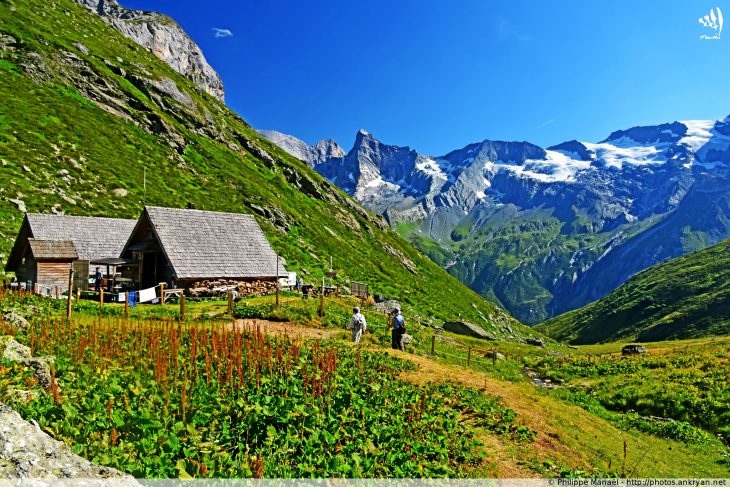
(548, 230)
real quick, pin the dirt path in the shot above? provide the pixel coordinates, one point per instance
(566, 434)
(289, 329)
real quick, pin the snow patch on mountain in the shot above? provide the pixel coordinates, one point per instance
(699, 132)
(625, 151)
(556, 166)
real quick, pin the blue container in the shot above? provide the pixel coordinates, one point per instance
(132, 298)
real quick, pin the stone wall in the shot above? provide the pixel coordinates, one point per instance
(222, 287)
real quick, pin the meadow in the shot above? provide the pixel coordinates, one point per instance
(156, 396)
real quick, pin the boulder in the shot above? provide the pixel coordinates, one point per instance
(633, 350)
(494, 355)
(17, 352)
(16, 319)
(26, 452)
(41, 368)
(407, 339)
(468, 329)
(12, 350)
(387, 306)
(538, 342)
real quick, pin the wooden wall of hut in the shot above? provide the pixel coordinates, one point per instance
(53, 274)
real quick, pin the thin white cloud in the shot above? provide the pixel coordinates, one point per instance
(545, 123)
(507, 31)
(221, 33)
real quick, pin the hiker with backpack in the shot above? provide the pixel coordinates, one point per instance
(398, 322)
(357, 324)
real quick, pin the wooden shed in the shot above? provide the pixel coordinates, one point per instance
(47, 263)
(183, 247)
(54, 236)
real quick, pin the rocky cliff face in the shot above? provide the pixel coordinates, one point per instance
(549, 230)
(165, 38)
(312, 155)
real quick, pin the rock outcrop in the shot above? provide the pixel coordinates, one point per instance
(26, 452)
(468, 329)
(17, 352)
(163, 37)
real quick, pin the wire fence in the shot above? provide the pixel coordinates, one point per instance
(434, 346)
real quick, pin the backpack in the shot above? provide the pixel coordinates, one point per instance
(399, 324)
(361, 322)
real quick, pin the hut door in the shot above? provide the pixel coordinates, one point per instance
(149, 269)
(81, 274)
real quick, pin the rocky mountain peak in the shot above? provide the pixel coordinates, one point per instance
(312, 155)
(163, 37)
(325, 149)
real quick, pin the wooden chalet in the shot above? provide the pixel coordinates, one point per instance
(48, 246)
(183, 247)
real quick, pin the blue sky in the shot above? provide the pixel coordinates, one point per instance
(437, 75)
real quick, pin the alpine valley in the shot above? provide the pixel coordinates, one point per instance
(544, 231)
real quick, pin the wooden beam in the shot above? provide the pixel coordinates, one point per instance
(70, 293)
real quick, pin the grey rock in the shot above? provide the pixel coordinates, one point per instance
(468, 329)
(82, 48)
(538, 342)
(26, 452)
(12, 350)
(164, 38)
(7, 42)
(22, 395)
(633, 350)
(168, 87)
(387, 306)
(120, 192)
(494, 355)
(17, 352)
(274, 215)
(407, 339)
(40, 366)
(16, 319)
(20, 204)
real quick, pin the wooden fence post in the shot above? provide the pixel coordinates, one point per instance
(494, 357)
(468, 358)
(101, 298)
(36, 288)
(57, 295)
(162, 292)
(433, 344)
(126, 304)
(70, 293)
(78, 294)
(230, 303)
(182, 306)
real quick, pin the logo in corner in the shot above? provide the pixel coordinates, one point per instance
(712, 21)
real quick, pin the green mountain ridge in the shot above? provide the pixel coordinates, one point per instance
(93, 124)
(686, 297)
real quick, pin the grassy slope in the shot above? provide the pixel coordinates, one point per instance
(682, 298)
(47, 125)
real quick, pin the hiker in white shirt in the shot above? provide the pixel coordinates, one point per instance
(357, 324)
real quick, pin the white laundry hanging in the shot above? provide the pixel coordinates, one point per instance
(147, 295)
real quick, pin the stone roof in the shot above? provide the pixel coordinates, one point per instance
(53, 249)
(208, 245)
(93, 237)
